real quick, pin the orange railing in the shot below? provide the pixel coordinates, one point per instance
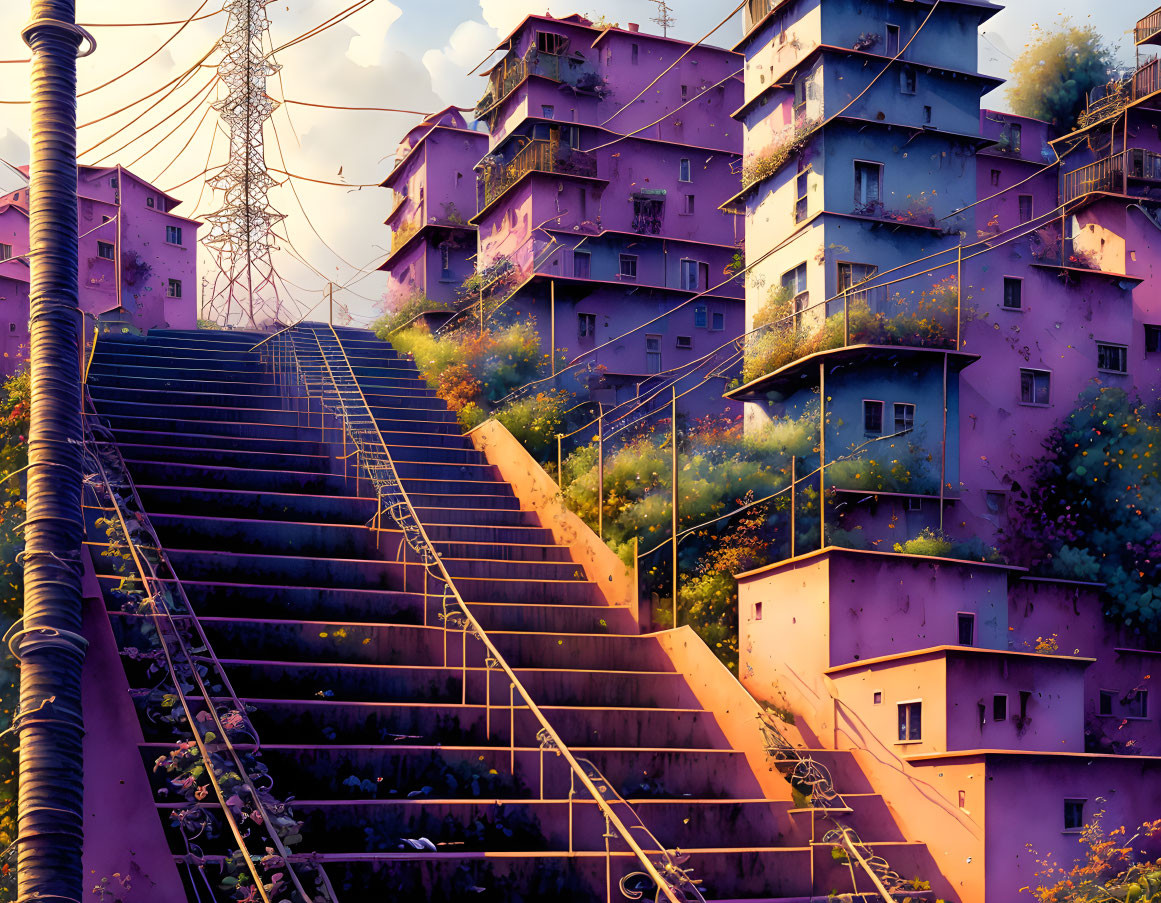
(1112, 173)
(1148, 27)
(536, 156)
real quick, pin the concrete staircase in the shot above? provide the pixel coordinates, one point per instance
(382, 725)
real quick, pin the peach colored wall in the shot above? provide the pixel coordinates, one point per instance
(920, 679)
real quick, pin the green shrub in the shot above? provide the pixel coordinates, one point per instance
(405, 312)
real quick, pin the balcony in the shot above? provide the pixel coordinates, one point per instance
(1148, 30)
(511, 72)
(536, 156)
(1145, 80)
(1135, 172)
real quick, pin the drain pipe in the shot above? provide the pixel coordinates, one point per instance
(48, 639)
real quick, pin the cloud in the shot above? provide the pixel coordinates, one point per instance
(504, 15)
(468, 44)
(367, 46)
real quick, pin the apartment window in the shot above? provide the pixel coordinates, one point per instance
(628, 266)
(801, 186)
(684, 93)
(684, 343)
(1000, 707)
(173, 288)
(570, 135)
(868, 183)
(633, 54)
(1013, 293)
(652, 354)
(1152, 338)
(5, 252)
(877, 697)
(907, 80)
(927, 115)
(873, 418)
(586, 326)
(113, 182)
(547, 110)
(1105, 702)
(1034, 386)
(757, 611)
(699, 316)
(1137, 704)
(966, 623)
(548, 42)
(580, 264)
(689, 270)
(1025, 202)
(683, 171)
(105, 250)
(852, 274)
(892, 46)
(910, 721)
(719, 322)
(1014, 131)
(149, 202)
(445, 262)
(904, 417)
(1112, 358)
(1074, 814)
(995, 178)
(173, 235)
(687, 204)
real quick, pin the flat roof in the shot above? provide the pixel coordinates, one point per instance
(826, 551)
(966, 650)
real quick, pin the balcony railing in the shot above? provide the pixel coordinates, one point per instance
(1112, 174)
(1148, 28)
(536, 156)
(1145, 80)
(511, 73)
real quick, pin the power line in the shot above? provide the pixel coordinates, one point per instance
(334, 20)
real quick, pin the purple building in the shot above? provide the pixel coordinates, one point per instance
(138, 259)
(598, 213)
(433, 245)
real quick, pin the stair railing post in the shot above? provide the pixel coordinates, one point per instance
(608, 861)
(673, 513)
(571, 794)
(601, 471)
(559, 464)
(512, 727)
(793, 500)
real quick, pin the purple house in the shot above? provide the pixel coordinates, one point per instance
(138, 259)
(598, 212)
(433, 245)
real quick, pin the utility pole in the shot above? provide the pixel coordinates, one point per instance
(663, 18)
(48, 639)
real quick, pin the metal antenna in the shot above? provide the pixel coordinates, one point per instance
(241, 231)
(663, 18)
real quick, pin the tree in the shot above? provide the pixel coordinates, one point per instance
(1052, 77)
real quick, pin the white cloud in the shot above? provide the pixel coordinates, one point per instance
(504, 15)
(468, 44)
(367, 46)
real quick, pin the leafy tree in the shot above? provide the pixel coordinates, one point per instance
(1093, 511)
(1052, 77)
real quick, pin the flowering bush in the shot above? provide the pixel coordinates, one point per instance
(408, 310)
(1110, 866)
(760, 166)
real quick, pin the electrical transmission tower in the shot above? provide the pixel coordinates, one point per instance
(241, 231)
(663, 18)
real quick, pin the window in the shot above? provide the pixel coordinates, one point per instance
(852, 274)
(652, 354)
(173, 288)
(915, 504)
(1112, 358)
(689, 275)
(548, 42)
(1034, 386)
(966, 622)
(1025, 202)
(892, 46)
(795, 282)
(5, 252)
(104, 219)
(570, 135)
(801, 186)
(173, 235)
(1014, 133)
(996, 178)
(684, 93)
(699, 316)
(719, 322)
(904, 417)
(628, 266)
(586, 326)
(1105, 702)
(105, 250)
(1074, 814)
(684, 342)
(963, 800)
(12, 327)
(996, 501)
(1000, 707)
(687, 204)
(580, 264)
(907, 80)
(546, 110)
(910, 721)
(633, 54)
(872, 417)
(647, 215)
(683, 171)
(1137, 704)
(445, 262)
(113, 182)
(927, 115)
(877, 698)
(1152, 338)
(1013, 293)
(868, 183)
(757, 611)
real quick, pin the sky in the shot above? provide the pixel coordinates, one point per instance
(408, 54)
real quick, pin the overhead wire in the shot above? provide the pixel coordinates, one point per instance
(197, 100)
(195, 18)
(185, 146)
(334, 20)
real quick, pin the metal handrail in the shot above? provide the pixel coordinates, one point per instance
(550, 738)
(148, 575)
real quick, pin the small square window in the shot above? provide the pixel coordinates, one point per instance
(173, 235)
(877, 698)
(687, 204)
(718, 322)
(1013, 293)
(5, 252)
(105, 250)
(873, 418)
(684, 342)
(1000, 707)
(1105, 702)
(966, 622)
(904, 417)
(684, 172)
(149, 202)
(914, 504)
(700, 316)
(173, 289)
(1035, 386)
(586, 326)
(1137, 704)
(1074, 814)
(907, 81)
(628, 266)
(910, 721)
(1152, 338)
(1112, 358)
(1025, 203)
(546, 110)
(995, 178)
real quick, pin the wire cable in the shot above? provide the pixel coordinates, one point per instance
(338, 17)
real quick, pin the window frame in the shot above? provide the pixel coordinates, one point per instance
(548, 111)
(1018, 281)
(962, 618)
(684, 343)
(1079, 825)
(170, 231)
(586, 327)
(902, 407)
(717, 321)
(1034, 372)
(687, 205)
(1138, 694)
(6, 251)
(999, 713)
(173, 289)
(1103, 696)
(995, 177)
(101, 245)
(587, 257)
(905, 724)
(630, 259)
(1020, 199)
(685, 266)
(1152, 338)
(868, 405)
(908, 81)
(898, 36)
(653, 354)
(700, 316)
(859, 195)
(684, 170)
(1123, 353)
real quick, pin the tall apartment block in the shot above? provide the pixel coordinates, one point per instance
(945, 282)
